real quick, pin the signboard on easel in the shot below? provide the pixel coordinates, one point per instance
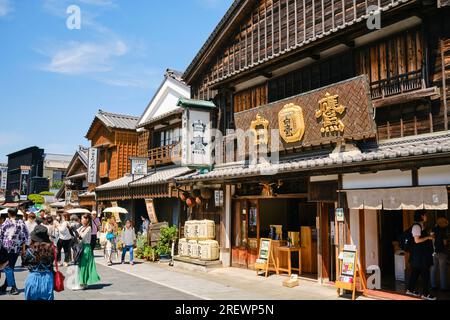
(350, 271)
(266, 260)
(151, 211)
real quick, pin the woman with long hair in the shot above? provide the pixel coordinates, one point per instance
(87, 270)
(39, 258)
(110, 229)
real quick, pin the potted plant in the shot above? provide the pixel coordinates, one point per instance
(164, 246)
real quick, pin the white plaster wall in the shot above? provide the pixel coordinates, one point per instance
(430, 176)
(165, 99)
(354, 227)
(382, 179)
(371, 237)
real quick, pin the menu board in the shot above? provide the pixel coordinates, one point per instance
(348, 266)
(264, 251)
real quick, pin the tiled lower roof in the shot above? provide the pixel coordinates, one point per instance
(395, 149)
(161, 176)
(117, 184)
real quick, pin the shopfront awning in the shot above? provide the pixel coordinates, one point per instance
(420, 198)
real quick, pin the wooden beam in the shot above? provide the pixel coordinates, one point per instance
(432, 93)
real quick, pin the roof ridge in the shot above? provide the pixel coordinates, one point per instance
(106, 113)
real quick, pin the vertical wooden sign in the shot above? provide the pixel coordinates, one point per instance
(151, 210)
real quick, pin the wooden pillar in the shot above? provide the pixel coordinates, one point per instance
(444, 84)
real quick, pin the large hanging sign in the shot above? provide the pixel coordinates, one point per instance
(3, 177)
(93, 165)
(342, 111)
(196, 139)
(139, 166)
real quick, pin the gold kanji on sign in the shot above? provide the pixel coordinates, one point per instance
(329, 111)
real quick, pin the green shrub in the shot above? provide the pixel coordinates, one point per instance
(141, 244)
(36, 198)
(47, 193)
(150, 254)
(168, 234)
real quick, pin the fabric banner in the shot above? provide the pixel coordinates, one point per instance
(435, 198)
(355, 199)
(391, 199)
(428, 198)
(373, 201)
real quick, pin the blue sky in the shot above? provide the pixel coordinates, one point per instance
(53, 80)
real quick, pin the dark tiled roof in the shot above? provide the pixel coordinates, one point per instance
(229, 14)
(396, 149)
(174, 74)
(115, 121)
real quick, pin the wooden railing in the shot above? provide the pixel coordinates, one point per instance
(166, 154)
(397, 85)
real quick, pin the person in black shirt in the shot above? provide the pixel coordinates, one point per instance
(440, 255)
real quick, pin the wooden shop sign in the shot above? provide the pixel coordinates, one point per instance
(323, 116)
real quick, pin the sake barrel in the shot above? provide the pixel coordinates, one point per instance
(206, 230)
(193, 249)
(183, 250)
(191, 230)
(209, 250)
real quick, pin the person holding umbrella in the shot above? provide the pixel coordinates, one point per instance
(87, 270)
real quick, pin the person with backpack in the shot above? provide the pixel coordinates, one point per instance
(440, 255)
(421, 258)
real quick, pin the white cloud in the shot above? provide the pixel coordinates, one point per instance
(145, 79)
(77, 58)
(5, 8)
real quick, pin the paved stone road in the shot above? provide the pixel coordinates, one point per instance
(114, 285)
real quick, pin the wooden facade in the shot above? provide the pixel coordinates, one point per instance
(116, 146)
(266, 51)
(404, 68)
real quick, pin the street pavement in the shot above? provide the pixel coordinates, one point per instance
(159, 281)
(114, 285)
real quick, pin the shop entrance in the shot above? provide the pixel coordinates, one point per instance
(391, 226)
(282, 219)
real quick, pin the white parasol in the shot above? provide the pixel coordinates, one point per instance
(115, 210)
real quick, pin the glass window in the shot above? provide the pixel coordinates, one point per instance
(57, 176)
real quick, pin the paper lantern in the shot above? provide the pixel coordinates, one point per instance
(190, 202)
(184, 196)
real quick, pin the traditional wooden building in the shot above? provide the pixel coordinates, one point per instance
(75, 183)
(159, 133)
(362, 114)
